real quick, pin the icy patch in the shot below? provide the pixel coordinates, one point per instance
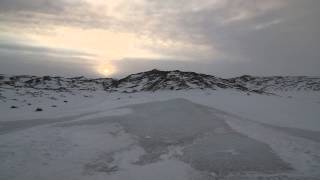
(193, 134)
(301, 152)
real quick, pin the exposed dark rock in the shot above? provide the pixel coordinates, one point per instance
(39, 109)
(156, 80)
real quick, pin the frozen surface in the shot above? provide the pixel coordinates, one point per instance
(208, 142)
(163, 135)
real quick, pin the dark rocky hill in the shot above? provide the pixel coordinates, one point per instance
(156, 80)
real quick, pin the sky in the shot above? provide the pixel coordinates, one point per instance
(108, 38)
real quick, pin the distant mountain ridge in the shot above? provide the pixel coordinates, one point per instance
(54, 83)
(156, 80)
(279, 83)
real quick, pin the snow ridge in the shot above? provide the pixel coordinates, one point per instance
(279, 83)
(54, 83)
(156, 80)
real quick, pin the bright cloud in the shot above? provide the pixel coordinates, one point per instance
(249, 33)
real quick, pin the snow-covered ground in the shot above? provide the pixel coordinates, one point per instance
(195, 134)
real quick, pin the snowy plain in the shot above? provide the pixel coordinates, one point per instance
(194, 134)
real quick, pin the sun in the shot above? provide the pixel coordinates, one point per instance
(106, 69)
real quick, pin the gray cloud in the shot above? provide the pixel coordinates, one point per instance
(23, 48)
(42, 15)
(238, 36)
(218, 68)
(18, 58)
(279, 36)
(40, 6)
(15, 62)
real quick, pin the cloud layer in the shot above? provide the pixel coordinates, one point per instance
(227, 37)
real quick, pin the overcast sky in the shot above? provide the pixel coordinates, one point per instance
(118, 37)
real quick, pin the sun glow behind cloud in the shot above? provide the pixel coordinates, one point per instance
(232, 36)
(106, 45)
(106, 69)
(109, 31)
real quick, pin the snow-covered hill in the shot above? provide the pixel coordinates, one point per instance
(54, 83)
(156, 80)
(279, 83)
